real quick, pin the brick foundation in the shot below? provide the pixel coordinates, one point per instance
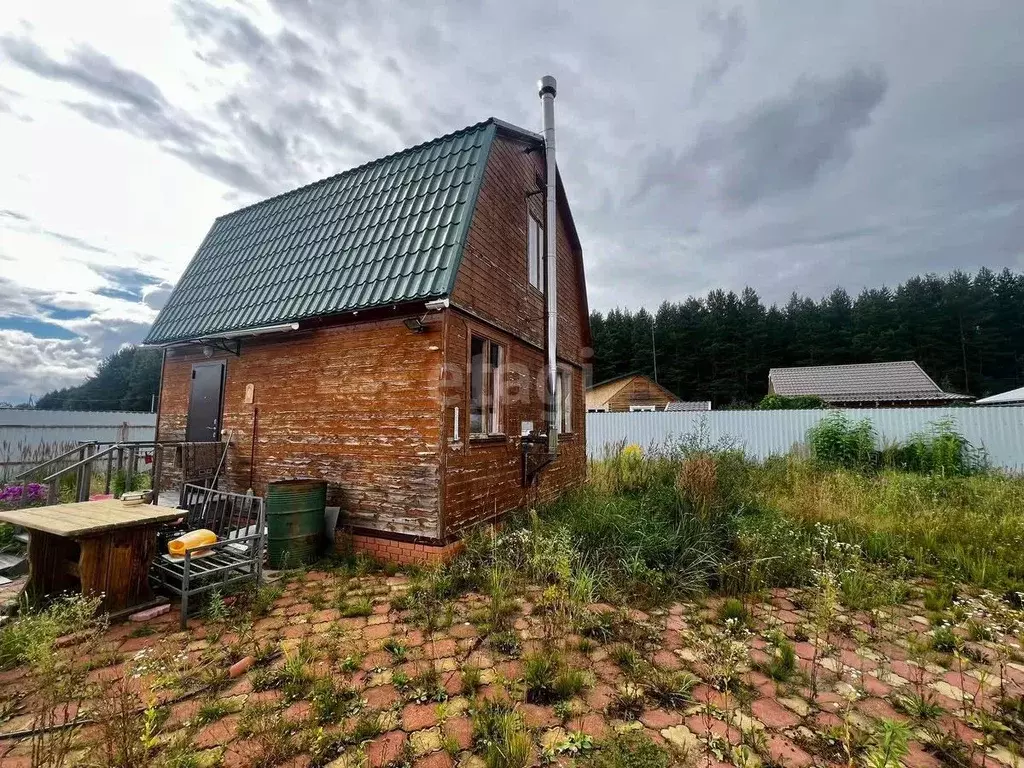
(395, 550)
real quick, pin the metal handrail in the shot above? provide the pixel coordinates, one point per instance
(64, 455)
(83, 466)
(82, 463)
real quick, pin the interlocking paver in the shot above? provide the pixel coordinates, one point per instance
(868, 667)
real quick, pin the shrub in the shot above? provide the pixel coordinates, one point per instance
(940, 450)
(782, 403)
(836, 441)
(119, 482)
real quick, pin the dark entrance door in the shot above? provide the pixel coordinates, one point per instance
(204, 402)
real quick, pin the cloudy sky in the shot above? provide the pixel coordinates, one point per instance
(793, 145)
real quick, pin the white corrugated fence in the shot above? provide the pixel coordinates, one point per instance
(1000, 431)
(28, 436)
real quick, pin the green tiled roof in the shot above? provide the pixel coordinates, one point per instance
(387, 232)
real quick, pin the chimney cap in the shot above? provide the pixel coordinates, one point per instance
(547, 85)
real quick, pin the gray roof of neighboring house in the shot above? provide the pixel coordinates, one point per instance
(1003, 398)
(689, 405)
(860, 382)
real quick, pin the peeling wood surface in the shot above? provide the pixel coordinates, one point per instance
(370, 406)
(356, 405)
(483, 479)
(493, 280)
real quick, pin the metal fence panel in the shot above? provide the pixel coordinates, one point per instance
(28, 437)
(1000, 431)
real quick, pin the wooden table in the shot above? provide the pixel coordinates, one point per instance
(92, 546)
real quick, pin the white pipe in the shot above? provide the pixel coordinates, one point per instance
(256, 331)
(234, 334)
(547, 88)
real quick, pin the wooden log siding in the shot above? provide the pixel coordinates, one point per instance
(483, 479)
(369, 407)
(357, 405)
(493, 280)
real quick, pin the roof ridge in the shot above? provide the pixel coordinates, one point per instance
(843, 365)
(369, 163)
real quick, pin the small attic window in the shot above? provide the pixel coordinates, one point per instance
(535, 251)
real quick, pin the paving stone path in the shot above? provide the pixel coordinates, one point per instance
(238, 692)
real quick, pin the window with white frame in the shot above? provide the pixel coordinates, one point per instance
(535, 251)
(486, 391)
(563, 397)
(643, 408)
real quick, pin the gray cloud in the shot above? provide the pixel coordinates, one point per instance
(783, 144)
(20, 222)
(730, 31)
(699, 149)
(155, 296)
(88, 69)
(132, 103)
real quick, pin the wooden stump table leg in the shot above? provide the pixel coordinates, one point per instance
(48, 560)
(116, 564)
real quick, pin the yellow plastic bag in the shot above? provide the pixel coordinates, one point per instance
(191, 540)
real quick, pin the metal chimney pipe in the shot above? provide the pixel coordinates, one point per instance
(547, 88)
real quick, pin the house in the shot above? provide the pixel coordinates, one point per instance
(631, 392)
(1013, 397)
(862, 385)
(689, 405)
(385, 330)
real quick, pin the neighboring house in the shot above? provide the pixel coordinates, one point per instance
(1013, 397)
(384, 330)
(631, 392)
(862, 385)
(689, 405)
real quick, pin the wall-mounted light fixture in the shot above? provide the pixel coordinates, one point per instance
(416, 324)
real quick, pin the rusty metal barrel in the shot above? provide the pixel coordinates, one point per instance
(295, 521)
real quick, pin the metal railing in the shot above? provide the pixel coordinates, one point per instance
(121, 457)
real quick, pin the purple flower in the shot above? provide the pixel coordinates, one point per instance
(12, 494)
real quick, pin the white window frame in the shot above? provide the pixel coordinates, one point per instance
(643, 408)
(563, 401)
(492, 385)
(535, 251)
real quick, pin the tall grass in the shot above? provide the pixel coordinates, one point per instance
(696, 516)
(648, 544)
(970, 528)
